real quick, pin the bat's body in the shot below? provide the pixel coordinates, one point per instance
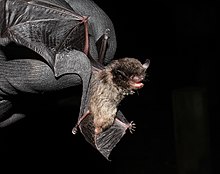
(75, 40)
(109, 87)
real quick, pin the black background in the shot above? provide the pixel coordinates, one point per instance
(181, 41)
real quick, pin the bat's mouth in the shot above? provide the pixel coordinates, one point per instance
(136, 85)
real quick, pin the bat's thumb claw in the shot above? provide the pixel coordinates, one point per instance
(74, 130)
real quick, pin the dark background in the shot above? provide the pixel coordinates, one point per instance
(176, 112)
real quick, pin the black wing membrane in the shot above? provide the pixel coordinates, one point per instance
(48, 27)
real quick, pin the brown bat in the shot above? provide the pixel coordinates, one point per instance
(109, 86)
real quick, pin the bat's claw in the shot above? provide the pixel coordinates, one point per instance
(74, 130)
(132, 127)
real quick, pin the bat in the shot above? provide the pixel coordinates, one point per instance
(109, 86)
(73, 37)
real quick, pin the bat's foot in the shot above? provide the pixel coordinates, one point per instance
(132, 127)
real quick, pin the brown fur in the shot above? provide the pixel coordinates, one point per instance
(109, 87)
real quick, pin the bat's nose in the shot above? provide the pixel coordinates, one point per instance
(138, 78)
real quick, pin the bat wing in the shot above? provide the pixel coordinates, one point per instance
(49, 27)
(53, 30)
(107, 140)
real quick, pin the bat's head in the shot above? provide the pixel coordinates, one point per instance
(129, 73)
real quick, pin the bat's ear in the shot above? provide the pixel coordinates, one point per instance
(146, 63)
